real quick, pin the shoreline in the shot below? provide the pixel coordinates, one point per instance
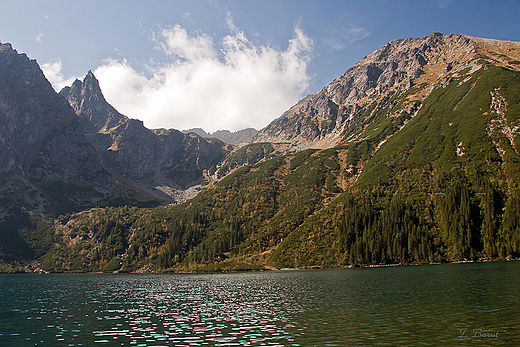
(368, 266)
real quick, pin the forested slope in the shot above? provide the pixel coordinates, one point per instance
(444, 188)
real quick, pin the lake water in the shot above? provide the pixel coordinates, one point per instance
(476, 304)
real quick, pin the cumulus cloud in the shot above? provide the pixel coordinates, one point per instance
(52, 72)
(231, 84)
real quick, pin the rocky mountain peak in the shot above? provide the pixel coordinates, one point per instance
(160, 162)
(43, 149)
(89, 103)
(23, 75)
(29, 108)
(325, 118)
(398, 64)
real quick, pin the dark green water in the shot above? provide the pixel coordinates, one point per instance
(474, 304)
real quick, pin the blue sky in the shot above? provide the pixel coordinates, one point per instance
(223, 64)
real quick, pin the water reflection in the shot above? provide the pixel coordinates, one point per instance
(409, 306)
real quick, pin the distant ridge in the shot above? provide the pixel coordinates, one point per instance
(232, 138)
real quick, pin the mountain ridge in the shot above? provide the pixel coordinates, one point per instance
(164, 163)
(322, 119)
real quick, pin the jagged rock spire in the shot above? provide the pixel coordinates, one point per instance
(88, 101)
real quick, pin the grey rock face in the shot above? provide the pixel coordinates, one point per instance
(42, 142)
(395, 66)
(89, 103)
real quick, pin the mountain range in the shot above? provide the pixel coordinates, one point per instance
(411, 156)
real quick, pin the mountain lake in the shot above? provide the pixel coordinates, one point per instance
(471, 304)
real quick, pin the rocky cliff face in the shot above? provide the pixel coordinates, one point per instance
(89, 103)
(339, 111)
(43, 149)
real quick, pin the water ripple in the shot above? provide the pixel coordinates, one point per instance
(404, 306)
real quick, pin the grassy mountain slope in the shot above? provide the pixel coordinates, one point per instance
(444, 188)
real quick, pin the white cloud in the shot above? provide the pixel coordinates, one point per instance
(231, 25)
(39, 38)
(341, 37)
(52, 72)
(443, 3)
(230, 85)
(354, 33)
